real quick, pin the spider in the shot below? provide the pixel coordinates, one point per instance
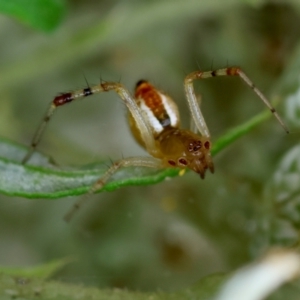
(155, 124)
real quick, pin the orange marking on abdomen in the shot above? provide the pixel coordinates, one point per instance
(151, 97)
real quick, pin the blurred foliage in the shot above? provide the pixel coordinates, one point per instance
(169, 235)
(40, 14)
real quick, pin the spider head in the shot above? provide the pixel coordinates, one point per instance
(185, 149)
(199, 156)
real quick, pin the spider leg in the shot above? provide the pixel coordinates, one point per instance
(65, 98)
(193, 126)
(230, 71)
(149, 162)
(141, 122)
(194, 107)
(38, 134)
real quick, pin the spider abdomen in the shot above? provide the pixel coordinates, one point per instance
(157, 107)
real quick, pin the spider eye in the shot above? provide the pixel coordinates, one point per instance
(194, 146)
(172, 163)
(207, 145)
(182, 161)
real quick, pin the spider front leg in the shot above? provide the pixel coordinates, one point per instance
(149, 162)
(124, 94)
(193, 126)
(231, 71)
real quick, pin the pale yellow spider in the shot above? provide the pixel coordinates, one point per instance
(155, 123)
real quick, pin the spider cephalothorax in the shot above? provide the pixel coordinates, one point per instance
(185, 149)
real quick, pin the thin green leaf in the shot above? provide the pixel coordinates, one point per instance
(40, 14)
(239, 131)
(41, 179)
(11, 288)
(43, 271)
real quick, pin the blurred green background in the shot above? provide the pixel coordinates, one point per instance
(168, 235)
